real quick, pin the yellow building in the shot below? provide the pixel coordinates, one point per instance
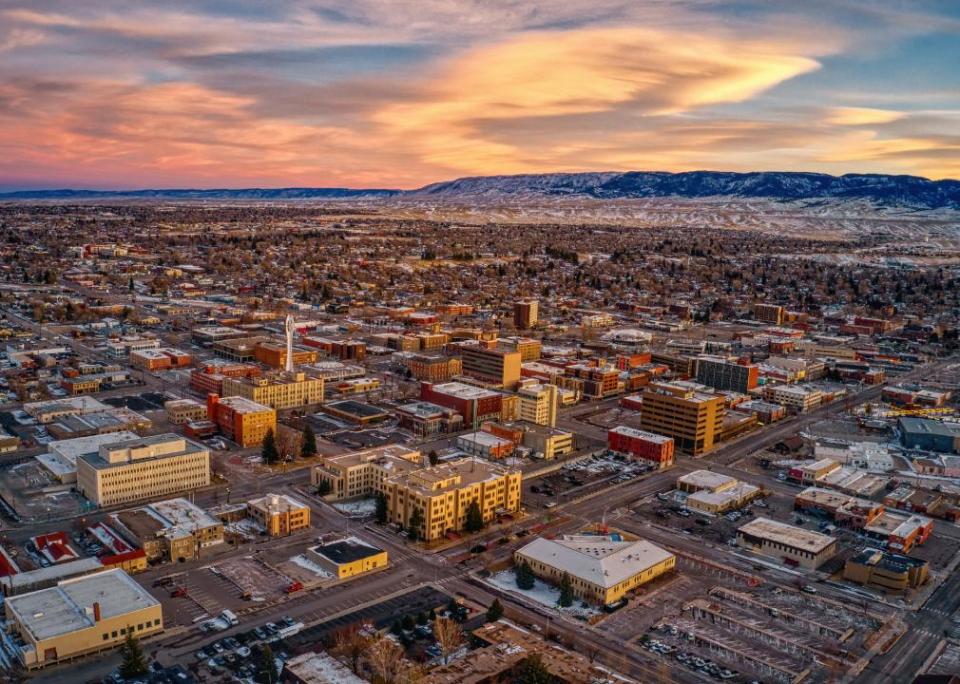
(789, 544)
(347, 557)
(361, 473)
(538, 404)
(693, 419)
(890, 572)
(714, 493)
(442, 494)
(601, 569)
(278, 391)
(146, 468)
(80, 616)
(529, 348)
(279, 514)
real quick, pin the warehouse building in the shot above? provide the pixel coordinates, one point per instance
(80, 616)
(714, 493)
(602, 569)
(347, 557)
(929, 435)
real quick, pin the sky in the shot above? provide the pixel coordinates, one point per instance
(401, 93)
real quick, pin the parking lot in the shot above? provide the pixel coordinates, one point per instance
(580, 478)
(34, 495)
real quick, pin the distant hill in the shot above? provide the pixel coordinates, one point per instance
(881, 190)
(190, 193)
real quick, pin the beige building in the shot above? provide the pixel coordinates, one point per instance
(491, 364)
(181, 411)
(548, 442)
(279, 514)
(80, 616)
(442, 494)
(278, 391)
(170, 530)
(714, 493)
(538, 404)
(601, 569)
(146, 468)
(788, 544)
(361, 473)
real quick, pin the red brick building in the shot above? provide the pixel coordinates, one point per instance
(643, 445)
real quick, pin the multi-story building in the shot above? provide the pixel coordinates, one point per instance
(442, 495)
(78, 617)
(769, 313)
(475, 404)
(601, 569)
(890, 572)
(172, 530)
(792, 545)
(794, 398)
(598, 383)
(361, 473)
(425, 419)
(279, 514)
(278, 390)
(491, 364)
(434, 368)
(181, 411)
(722, 374)
(526, 312)
(547, 442)
(538, 404)
(900, 531)
(160, 359)
(693, 419)
(209, 379)
(529, 348)
(243, 420)
(275, 355)
(643, 445)
(240, 349)
(146, 468)
(485, 444)
(930, 435)
(714, 493)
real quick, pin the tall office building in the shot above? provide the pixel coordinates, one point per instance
(525, 314)
(491, 364)
(694, 420)
(150, 467)
(538, 404)
(769, 313)
(723, 374)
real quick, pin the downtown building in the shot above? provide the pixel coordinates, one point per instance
(723, 374)
(693, 419)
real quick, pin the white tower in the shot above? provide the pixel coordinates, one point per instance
(288, 327)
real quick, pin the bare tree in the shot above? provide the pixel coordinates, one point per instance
(449, 636)
(387, 663)
(350, 644)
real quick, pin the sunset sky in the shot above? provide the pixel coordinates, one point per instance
(400, 93)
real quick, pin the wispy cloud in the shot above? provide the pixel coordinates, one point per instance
(404, 92)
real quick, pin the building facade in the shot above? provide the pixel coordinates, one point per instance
(694, 420)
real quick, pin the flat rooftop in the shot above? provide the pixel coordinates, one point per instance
(346, 550)
(788, 535)
(706, 479)
(424, 410)
(461, 390)
(628, 431)
(464, 471)
(71, 449)
(356, 408)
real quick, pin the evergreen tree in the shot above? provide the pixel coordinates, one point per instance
(495, 611)
(381, 512)
(566, 591)
(308, 443)
(269, 452)
(524, 576)
(134, 662)
(407, 623)
(267, 670)
(416, 522)
(434, 457)
(421, 618)
(474, 521)
(324, 488)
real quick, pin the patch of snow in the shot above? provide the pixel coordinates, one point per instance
(359, 508)
(542, 592)
(308, 564)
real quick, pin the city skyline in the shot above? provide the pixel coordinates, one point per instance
(219, 94)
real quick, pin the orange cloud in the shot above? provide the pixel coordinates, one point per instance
(862, 116)
(542, 75)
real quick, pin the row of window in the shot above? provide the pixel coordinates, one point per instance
(123, 630)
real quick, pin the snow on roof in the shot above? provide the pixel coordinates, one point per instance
(602, 561)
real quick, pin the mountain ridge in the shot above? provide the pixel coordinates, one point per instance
(883, 190)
